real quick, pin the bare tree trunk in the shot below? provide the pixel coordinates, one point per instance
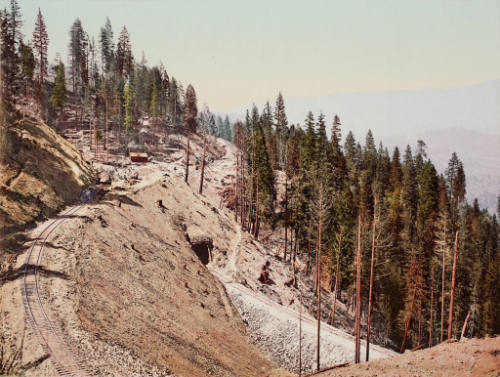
(202, 175)
(465, 325)
(318, 275)
(419, 318)
(286, 216)
(443, 252)
(432, 306)
(407, 325)
(368, 328)
(309, 248)
(106, 129)
(452, 293)
(300, 335)
(256, 226)
(294, 253)
(335, 289)
(236, 190)
(186, 176)
(250, 204)
(242, 190)
(90, 134)
(357, 347)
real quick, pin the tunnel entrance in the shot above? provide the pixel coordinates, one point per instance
(203, 247)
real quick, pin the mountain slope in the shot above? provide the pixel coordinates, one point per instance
(42, 173)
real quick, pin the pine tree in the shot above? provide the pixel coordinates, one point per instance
(280, 123)
(76, 53)
(153, 106)
(396, 175)
(15, 21)
(40, 46)
(58, 97)
(264, 181)
(27, 64)
(9, 57)
(124, 57)
(107, 46)
(227, 129)
(191, 110)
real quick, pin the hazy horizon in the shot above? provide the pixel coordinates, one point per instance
(241, 53)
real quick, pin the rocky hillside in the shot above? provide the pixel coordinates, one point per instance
(42, 172)
(126, 282)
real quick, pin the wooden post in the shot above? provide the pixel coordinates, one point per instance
(452, 293)
(357, 345)
(318, 275)
(300, 335)
(186, 176)
(443, 268)
(371, 280)
(202, 175)
(432, 306)
(465, 325)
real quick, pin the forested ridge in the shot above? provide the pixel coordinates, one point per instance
(429, 248)
(407, 214)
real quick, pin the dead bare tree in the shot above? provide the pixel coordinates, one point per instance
(431, 311)
(318, 275)
(357, 346)
(202, 174)
(286, 216)
(186, 176)
(465, 325)
(300, 335)
(256, 223)
(339, 248)
(368, 328)
(309, 247)
(452, 293)
(407, 325)
(443, 268)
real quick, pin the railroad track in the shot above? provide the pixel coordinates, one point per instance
(50, 336)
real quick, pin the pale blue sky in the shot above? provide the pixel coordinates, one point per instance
(237, 52)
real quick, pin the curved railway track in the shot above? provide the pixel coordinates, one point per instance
(50, 335)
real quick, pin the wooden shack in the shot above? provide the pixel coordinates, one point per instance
(138, 157)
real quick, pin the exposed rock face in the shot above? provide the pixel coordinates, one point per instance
(42, 173)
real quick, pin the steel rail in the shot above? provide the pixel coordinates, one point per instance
(32, 302)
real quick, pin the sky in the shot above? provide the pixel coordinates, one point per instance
(239, 52)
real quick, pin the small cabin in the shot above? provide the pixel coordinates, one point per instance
(138, 157)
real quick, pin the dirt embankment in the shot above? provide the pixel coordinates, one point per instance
(127, 285)
(41, 174)
(469, 358)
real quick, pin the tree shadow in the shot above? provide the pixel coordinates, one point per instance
(29, 269)
(122, 198)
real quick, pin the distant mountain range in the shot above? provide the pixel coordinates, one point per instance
(463, 119)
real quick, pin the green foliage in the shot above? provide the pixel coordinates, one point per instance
(418, 212)
(153, 106)
(27, 61)
(58, 97)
